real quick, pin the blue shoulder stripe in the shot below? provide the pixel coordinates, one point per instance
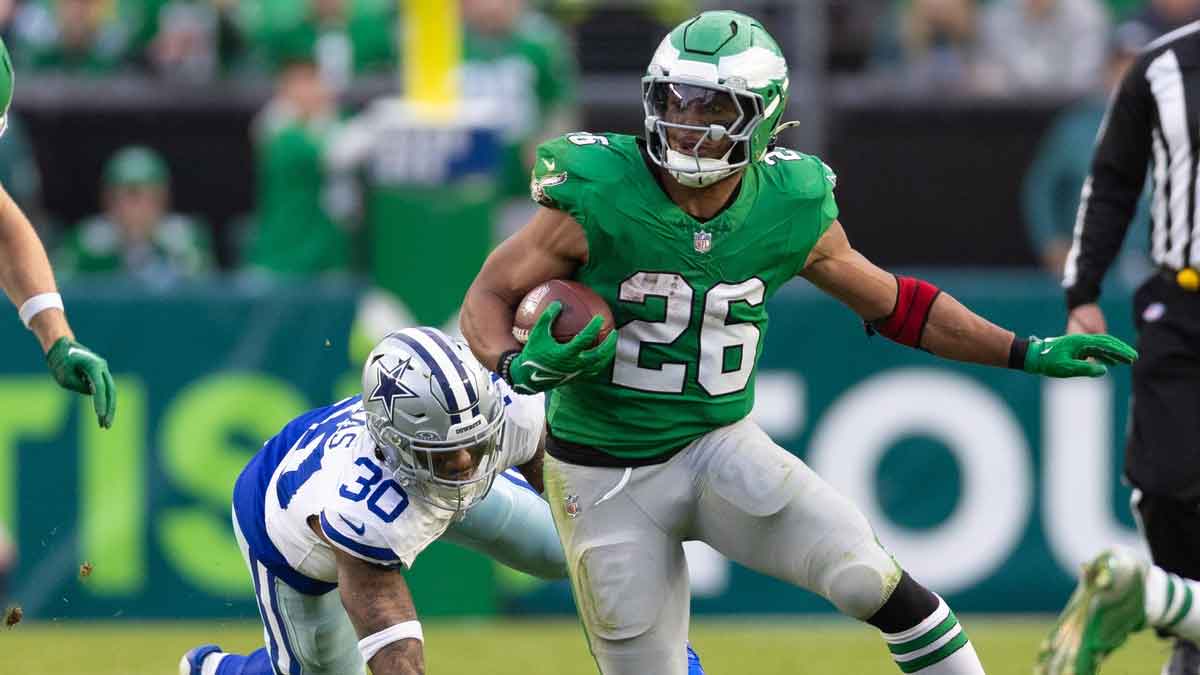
(382, 556)
(517, 479)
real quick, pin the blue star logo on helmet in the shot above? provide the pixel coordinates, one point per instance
(389, 388)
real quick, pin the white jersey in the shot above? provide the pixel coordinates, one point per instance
(324, 465)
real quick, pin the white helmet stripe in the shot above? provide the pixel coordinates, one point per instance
(758, 65)
(665, 56)
(699, 70)
(461, 399)
(439, 338)
(771, 108)
(452, 396)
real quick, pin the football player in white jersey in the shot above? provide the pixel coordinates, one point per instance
(345, 497)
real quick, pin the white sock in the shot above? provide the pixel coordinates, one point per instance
(210, 663)
(962, 662)
(936, 646)
(1172, 603)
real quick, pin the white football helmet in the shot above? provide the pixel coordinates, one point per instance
(713, 95)
(436, 416)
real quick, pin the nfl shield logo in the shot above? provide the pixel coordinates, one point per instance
(702, 241)
(572, 505)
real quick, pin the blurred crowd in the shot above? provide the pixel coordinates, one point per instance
(204, 39)
(985, 46)
(994, 47)
(313, 215)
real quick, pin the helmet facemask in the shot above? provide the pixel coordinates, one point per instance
(452, 475)
(436, 416)
(699, 131)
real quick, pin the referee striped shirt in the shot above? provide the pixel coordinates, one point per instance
(1152, 124)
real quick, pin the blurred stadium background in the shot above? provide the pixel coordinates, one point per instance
(239, 197)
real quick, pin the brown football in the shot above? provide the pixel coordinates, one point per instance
(579, 305)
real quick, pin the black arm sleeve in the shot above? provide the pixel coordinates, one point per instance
(1111, 192)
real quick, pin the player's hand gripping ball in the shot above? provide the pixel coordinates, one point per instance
(567, 330)
(580, 305)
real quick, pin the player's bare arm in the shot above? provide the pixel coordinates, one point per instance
(25, 271)
(551, 246)
(532, 470)
(917, 314)
(376, 599)
(28, 281)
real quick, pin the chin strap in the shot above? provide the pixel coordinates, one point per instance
(706, 171)
(783, 127)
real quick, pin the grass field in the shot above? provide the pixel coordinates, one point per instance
(765, 646)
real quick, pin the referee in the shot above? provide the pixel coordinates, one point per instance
(1153, 124)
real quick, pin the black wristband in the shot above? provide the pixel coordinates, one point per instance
(504, 365)
(1017, 352)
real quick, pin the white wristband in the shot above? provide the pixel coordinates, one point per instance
(37, 304)
(370, 645)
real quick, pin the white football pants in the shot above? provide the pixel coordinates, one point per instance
(734, 488)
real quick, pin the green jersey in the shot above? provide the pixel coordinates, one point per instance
(178, 248)
(296, 234)
(429, 194)
(688, 296)
(531, 71)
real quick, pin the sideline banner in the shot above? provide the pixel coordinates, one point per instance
(988, 485)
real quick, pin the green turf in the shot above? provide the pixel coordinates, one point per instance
(759, 647)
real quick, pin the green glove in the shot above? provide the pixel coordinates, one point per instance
(545, 363)
(1067, 356)
(78, 368)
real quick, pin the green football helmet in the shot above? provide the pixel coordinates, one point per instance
(6, 86)
(713, 94)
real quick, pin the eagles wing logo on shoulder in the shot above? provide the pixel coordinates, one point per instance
(702, 241)
(829, 175)
(537, 187)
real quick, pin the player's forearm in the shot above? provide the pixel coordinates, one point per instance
(24, 267)
(372, 600)
(25, 271)
(377, 599)
(532, 470)
(406, 657)
(49, 326)
(954, 332)
(514, 527)
(486, 322)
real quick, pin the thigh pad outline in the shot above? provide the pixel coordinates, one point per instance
(619, 597)
(754, 479)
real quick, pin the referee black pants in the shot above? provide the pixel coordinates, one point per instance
(1162, 457)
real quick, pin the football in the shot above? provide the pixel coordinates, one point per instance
(579, 305)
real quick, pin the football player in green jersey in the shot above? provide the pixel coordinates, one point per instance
(26, 277)
(686, 233)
